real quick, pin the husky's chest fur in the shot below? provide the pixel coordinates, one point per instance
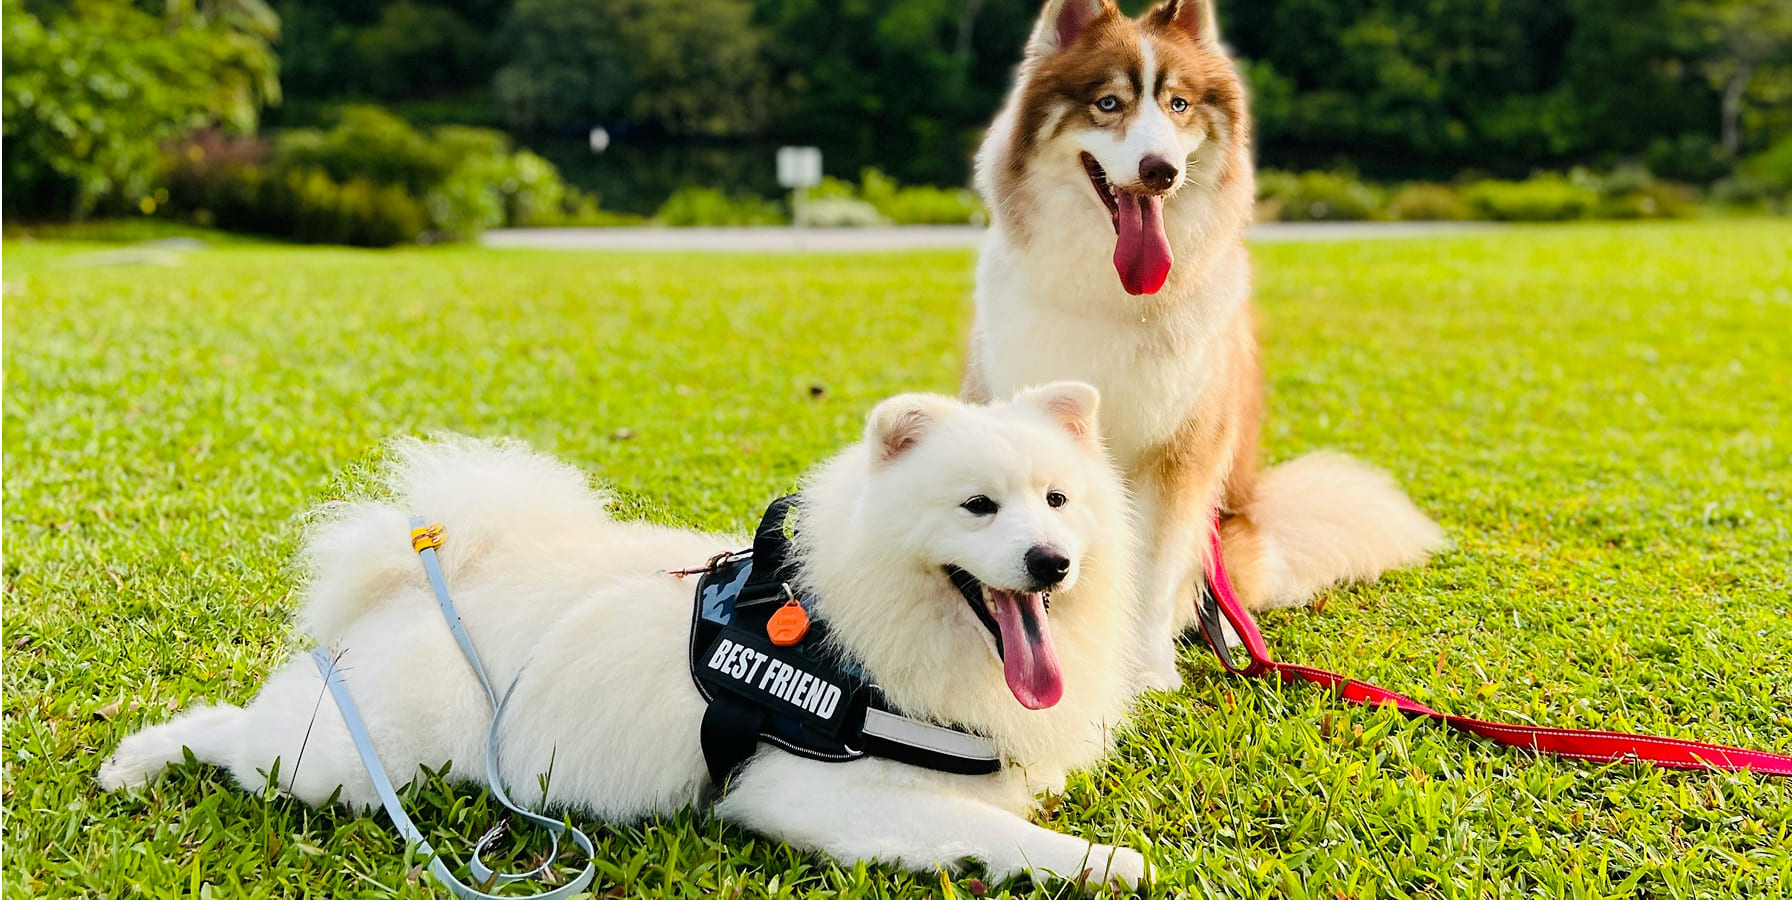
(1045, 313)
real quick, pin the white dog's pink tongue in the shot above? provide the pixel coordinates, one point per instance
(1142, 252)
(1029, 663)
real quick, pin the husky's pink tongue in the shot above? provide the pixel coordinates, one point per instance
(1142, 253)
(1029, 663)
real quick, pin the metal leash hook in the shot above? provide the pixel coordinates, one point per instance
(1221, 636)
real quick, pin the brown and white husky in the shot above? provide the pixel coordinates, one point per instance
(1119, 177)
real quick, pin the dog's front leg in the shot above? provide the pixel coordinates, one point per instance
(1173, 556)
(879, 811)
(1177, 489)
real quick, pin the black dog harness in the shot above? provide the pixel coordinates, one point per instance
(808, 698)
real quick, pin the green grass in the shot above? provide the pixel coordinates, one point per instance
(1598, 415)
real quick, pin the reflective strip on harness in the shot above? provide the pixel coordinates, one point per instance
(931, 738)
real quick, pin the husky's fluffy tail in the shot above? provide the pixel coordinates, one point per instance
(484, 494)
(1318, 520)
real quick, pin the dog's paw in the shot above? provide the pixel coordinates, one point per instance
(1157, 668)
(1118, 866)
(112, 775)
(1159, 678)
(120, 772)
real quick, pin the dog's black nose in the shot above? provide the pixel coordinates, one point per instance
(1047, 565)
(1157, 173)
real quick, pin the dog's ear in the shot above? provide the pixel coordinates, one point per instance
(1062, 21)
(899, 423)
(1194, 18)
(1072, 404)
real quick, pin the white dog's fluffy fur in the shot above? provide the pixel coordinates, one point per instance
(580, 604)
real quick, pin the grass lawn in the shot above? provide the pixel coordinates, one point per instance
(1600, 416)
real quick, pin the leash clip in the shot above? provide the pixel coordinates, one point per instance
(426, 537)
(1221, 638)
(715, 562)
(492, 834)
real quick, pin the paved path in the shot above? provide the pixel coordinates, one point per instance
(909, 237)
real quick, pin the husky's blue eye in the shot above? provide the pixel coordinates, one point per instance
(1178, 105)
(979, 506)
(1108, 103)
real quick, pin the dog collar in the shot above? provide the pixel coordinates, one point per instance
(808, 698)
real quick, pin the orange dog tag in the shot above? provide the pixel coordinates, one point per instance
(788, 625)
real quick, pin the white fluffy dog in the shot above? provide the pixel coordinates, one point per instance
(584, 608)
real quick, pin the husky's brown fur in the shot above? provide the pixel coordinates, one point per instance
(1288, 531)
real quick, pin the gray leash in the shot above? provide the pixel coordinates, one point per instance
(425, 539)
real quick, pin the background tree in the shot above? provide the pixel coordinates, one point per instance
(1399, 89)
(1500, 84)
(907, 79)
(680, 67)
(1744, 39)
(93, 89)
(391, 50)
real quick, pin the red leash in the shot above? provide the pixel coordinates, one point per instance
(1599, 746)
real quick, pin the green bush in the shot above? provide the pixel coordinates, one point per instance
(357, 211)
(838, 212)
(1690, 156)
(1771, 172)
(1753, 194)
(492, 186)
(581, 209)
(1659, 200)
(891, 202)
(480, 187)
(302, 204)
(370, 143)
(1316, 197)
(468, 179)
(1627, 192)
(92, 90)
(919, 204)
(709, 206)
(1633, 192)
(1425, 202)
(1543, 198)
(832, 188)
(458, 180)
(534, 194)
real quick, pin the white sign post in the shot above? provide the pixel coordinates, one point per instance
(799, 168)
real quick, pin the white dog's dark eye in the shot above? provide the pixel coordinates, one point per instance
(1177, 104)
(1108, 103)
(979, 506)
(1055, 499)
